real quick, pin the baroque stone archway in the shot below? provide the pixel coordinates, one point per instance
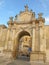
(23, 40)
(24, 43)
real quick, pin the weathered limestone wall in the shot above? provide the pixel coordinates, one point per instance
(3, 36)
(47, 42)
(10, 39)
(47, 36)
(3, 33)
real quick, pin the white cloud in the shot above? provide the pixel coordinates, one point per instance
(47, 20)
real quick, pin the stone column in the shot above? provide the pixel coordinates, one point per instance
(33, 37)
(7, 38)
(13, 38)
(42, 39)
(37, 44)
(15, 45)
(41, 30)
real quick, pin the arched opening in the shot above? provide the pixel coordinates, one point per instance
(24, 44)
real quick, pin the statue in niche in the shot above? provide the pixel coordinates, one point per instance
(24, 45)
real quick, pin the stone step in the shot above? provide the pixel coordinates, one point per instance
(21, 62)
(38, 63)
(23, 58)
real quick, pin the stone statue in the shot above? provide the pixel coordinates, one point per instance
(40, 15)
(11, 18)
(26, 8)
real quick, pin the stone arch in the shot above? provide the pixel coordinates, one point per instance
(20, 34)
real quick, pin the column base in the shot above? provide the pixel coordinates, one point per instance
(15, 54)
(38, 56)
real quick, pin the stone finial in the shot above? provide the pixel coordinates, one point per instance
(10, 21)
(11, 18)
(26, 8)
(16, 17)
(40, 15)
(31, 10)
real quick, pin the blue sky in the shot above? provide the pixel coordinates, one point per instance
(12, 7)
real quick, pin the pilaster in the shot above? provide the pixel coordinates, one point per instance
(8, 34)
(33, 37)
(37, 35)
(41, 38)
(15, 45)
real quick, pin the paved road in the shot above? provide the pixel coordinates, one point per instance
(7, 61)
(19, 62)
